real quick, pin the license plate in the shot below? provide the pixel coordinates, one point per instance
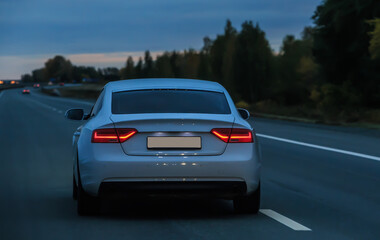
(174, 142)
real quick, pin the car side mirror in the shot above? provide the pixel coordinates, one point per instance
(243, 113)
(75, 114)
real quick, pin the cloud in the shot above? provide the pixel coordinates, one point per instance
(38, 29)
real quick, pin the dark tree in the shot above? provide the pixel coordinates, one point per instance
(341, 46)
(26, 78)
(39, 75)
(58, 68)
(222, 53)
(139, 69)
(148, 70)
(109, 74)
(163, 66)
(253, 63)
(128, 72)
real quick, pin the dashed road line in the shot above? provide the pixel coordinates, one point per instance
(284, 220)
(1, 93)
(320, 147)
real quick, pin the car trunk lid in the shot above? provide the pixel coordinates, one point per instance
(170, 133)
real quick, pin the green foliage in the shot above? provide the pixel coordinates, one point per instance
(204, 68)
(148, 65)
(128, 72)
(296, 68)
(26, 78)
(334, 100)
(341, 44)
(189, 64)
(374, 47)
(307, 71)
(38, 75)
(80, 72)
(242, 104)
(139, 69)
(222, 56)
(109, 74)
(163, 66)
(58, 68)
(253, 63)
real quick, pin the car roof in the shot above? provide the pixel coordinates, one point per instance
(163, 83)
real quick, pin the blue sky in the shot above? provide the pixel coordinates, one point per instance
(104, 33)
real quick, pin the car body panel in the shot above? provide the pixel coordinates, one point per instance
(131, 161)
(173, 124)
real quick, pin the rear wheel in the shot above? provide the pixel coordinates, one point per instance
(249, 203)
(87, 204)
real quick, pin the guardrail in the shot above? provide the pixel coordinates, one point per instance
(3, 87)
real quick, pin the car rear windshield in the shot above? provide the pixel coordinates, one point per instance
(169, 101)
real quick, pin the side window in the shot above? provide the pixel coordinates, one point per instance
(98, 105)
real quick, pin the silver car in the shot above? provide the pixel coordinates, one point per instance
(169, 137)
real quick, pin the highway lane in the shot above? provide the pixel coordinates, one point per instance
(335, 195)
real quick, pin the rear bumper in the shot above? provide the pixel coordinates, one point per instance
(224, 189)
(238, 166)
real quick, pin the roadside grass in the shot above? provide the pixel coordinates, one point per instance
(85, 91)
(367, 118)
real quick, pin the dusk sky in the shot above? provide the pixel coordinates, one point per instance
(104, 33)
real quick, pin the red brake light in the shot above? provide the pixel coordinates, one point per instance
(111, 135)
(241, 135)
(222, 133)
(125, 133)
(233, 135)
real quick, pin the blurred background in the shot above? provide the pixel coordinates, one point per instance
(316, 61)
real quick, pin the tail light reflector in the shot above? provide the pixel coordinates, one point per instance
(233, 135)
(112, 135)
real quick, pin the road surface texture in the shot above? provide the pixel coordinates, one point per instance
(308, 191)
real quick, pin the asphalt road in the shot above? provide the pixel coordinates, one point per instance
(329, 194)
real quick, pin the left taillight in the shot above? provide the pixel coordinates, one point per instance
(233, 135)
(112, 135)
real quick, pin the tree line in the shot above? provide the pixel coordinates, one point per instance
(334, 66)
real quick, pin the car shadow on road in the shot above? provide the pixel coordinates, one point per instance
(173, 208)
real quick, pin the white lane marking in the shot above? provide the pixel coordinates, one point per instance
(1, 93)
(321, 147)
(284, 220)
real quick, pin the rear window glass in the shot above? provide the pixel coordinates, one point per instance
(169, 101)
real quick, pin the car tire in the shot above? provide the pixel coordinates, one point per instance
(86, 204)
(249, 203)
(75, 189)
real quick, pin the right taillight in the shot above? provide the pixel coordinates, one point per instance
(112, 135)
(233, 135)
